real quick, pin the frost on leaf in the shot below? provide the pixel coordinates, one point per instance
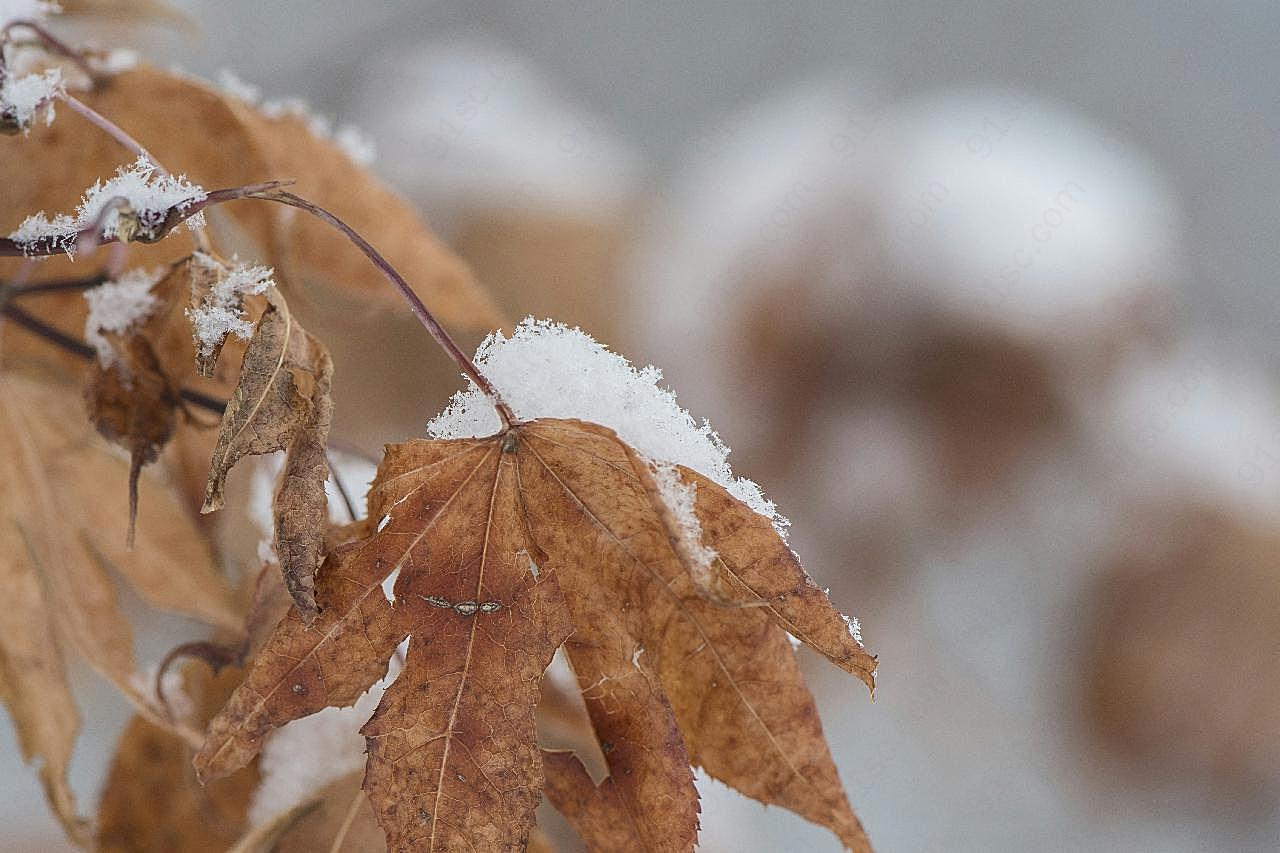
(115, 306)
(669, 678)
(136, 204)
(246, 147)
(21, 98)
(217, 309)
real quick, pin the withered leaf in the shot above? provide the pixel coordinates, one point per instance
(134, 399)
(282, 402)
(477, 530)
(61, 533)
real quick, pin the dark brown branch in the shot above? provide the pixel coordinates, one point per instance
(49, 333)
(77, 347)
(91, 236)
(57, 285)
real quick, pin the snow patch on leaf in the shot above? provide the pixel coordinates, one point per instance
(21, 98)
(221, 312)
(549, 370)
(855, 628)
(680, 498)
(115, 306)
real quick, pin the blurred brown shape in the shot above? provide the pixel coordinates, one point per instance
(151, 800)
(1183, 677)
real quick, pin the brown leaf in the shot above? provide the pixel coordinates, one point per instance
(152, 768)
(134, 399)
(61, 532)
(33, 682)
(282, 403)
(667, 676)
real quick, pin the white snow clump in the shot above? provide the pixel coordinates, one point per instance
(149, 198)
(548, 370)
(115, 306)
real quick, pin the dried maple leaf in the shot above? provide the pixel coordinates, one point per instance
(60, 535)
(502, 546)
(282, 402)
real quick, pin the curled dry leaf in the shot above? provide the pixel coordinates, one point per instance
(282, 402)
(152, 802)
(503, 545)
(61, 532)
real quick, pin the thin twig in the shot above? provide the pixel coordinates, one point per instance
(416, 305)
(49, 333)
(116, 132)
(79, 348)
(57, 285)
(112, 129)
(341, 837)
(54, 43)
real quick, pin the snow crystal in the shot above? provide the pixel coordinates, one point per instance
(221, 312)
(855, 628)
(680, 498)
(148, 195)
(115, 306)
(22, 97)
(303, 756)
(548, 370)
(38, 226)
(231, 84)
